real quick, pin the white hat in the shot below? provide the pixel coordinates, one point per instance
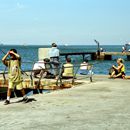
(123, 47)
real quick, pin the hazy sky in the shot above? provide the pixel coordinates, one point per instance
(64, 21)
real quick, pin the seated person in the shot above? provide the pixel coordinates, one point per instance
(41, 67)
(68, 71)
(119, 71)
(84, 67)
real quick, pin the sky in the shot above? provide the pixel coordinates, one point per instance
(64, 21)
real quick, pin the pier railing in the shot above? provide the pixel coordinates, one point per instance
(29, 74)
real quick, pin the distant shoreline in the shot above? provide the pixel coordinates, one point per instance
(58, 45)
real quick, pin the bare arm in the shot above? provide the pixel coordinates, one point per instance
(118, 68)
(17, 55)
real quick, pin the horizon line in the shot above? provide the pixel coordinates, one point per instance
(60, 44)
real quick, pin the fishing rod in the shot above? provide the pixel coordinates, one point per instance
(96, 41)
(4, 69)
(2, 51)
(98, 49)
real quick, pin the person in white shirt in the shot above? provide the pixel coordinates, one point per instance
(54, 51)
(83, 68)
(40, 67)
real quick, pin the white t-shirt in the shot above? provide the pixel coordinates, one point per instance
(39, 65)
(84, 66)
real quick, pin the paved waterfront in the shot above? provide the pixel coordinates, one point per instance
(101, 105)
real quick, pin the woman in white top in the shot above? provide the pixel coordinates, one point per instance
(83, 68)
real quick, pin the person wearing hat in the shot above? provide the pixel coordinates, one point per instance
(54, 54)
(41, 67)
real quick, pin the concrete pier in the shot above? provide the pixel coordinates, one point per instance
(101, 105)
(109, 55)
(98, 56)
(93, 55)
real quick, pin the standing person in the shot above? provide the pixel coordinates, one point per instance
(54, 54)
(14, 74)
(123, 49)
(101, 50)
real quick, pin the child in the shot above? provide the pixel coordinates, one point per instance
(119, 71)
(14, 74)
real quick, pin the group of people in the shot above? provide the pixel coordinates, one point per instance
(48, 66)
(13, 61)
(125, 48)
(51, 67)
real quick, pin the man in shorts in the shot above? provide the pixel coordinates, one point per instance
(14, 74)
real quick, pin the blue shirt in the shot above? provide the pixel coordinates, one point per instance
(54, 52)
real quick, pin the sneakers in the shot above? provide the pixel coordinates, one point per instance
(6, 102)
(24, 100)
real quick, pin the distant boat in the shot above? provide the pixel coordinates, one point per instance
(24, 44)
(66, 45)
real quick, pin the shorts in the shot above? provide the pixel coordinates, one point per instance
(116, 72)
(18, 85)
(123, 73)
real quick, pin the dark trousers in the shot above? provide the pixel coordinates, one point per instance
(55, 65)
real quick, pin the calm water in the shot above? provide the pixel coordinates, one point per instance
(29, 55)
